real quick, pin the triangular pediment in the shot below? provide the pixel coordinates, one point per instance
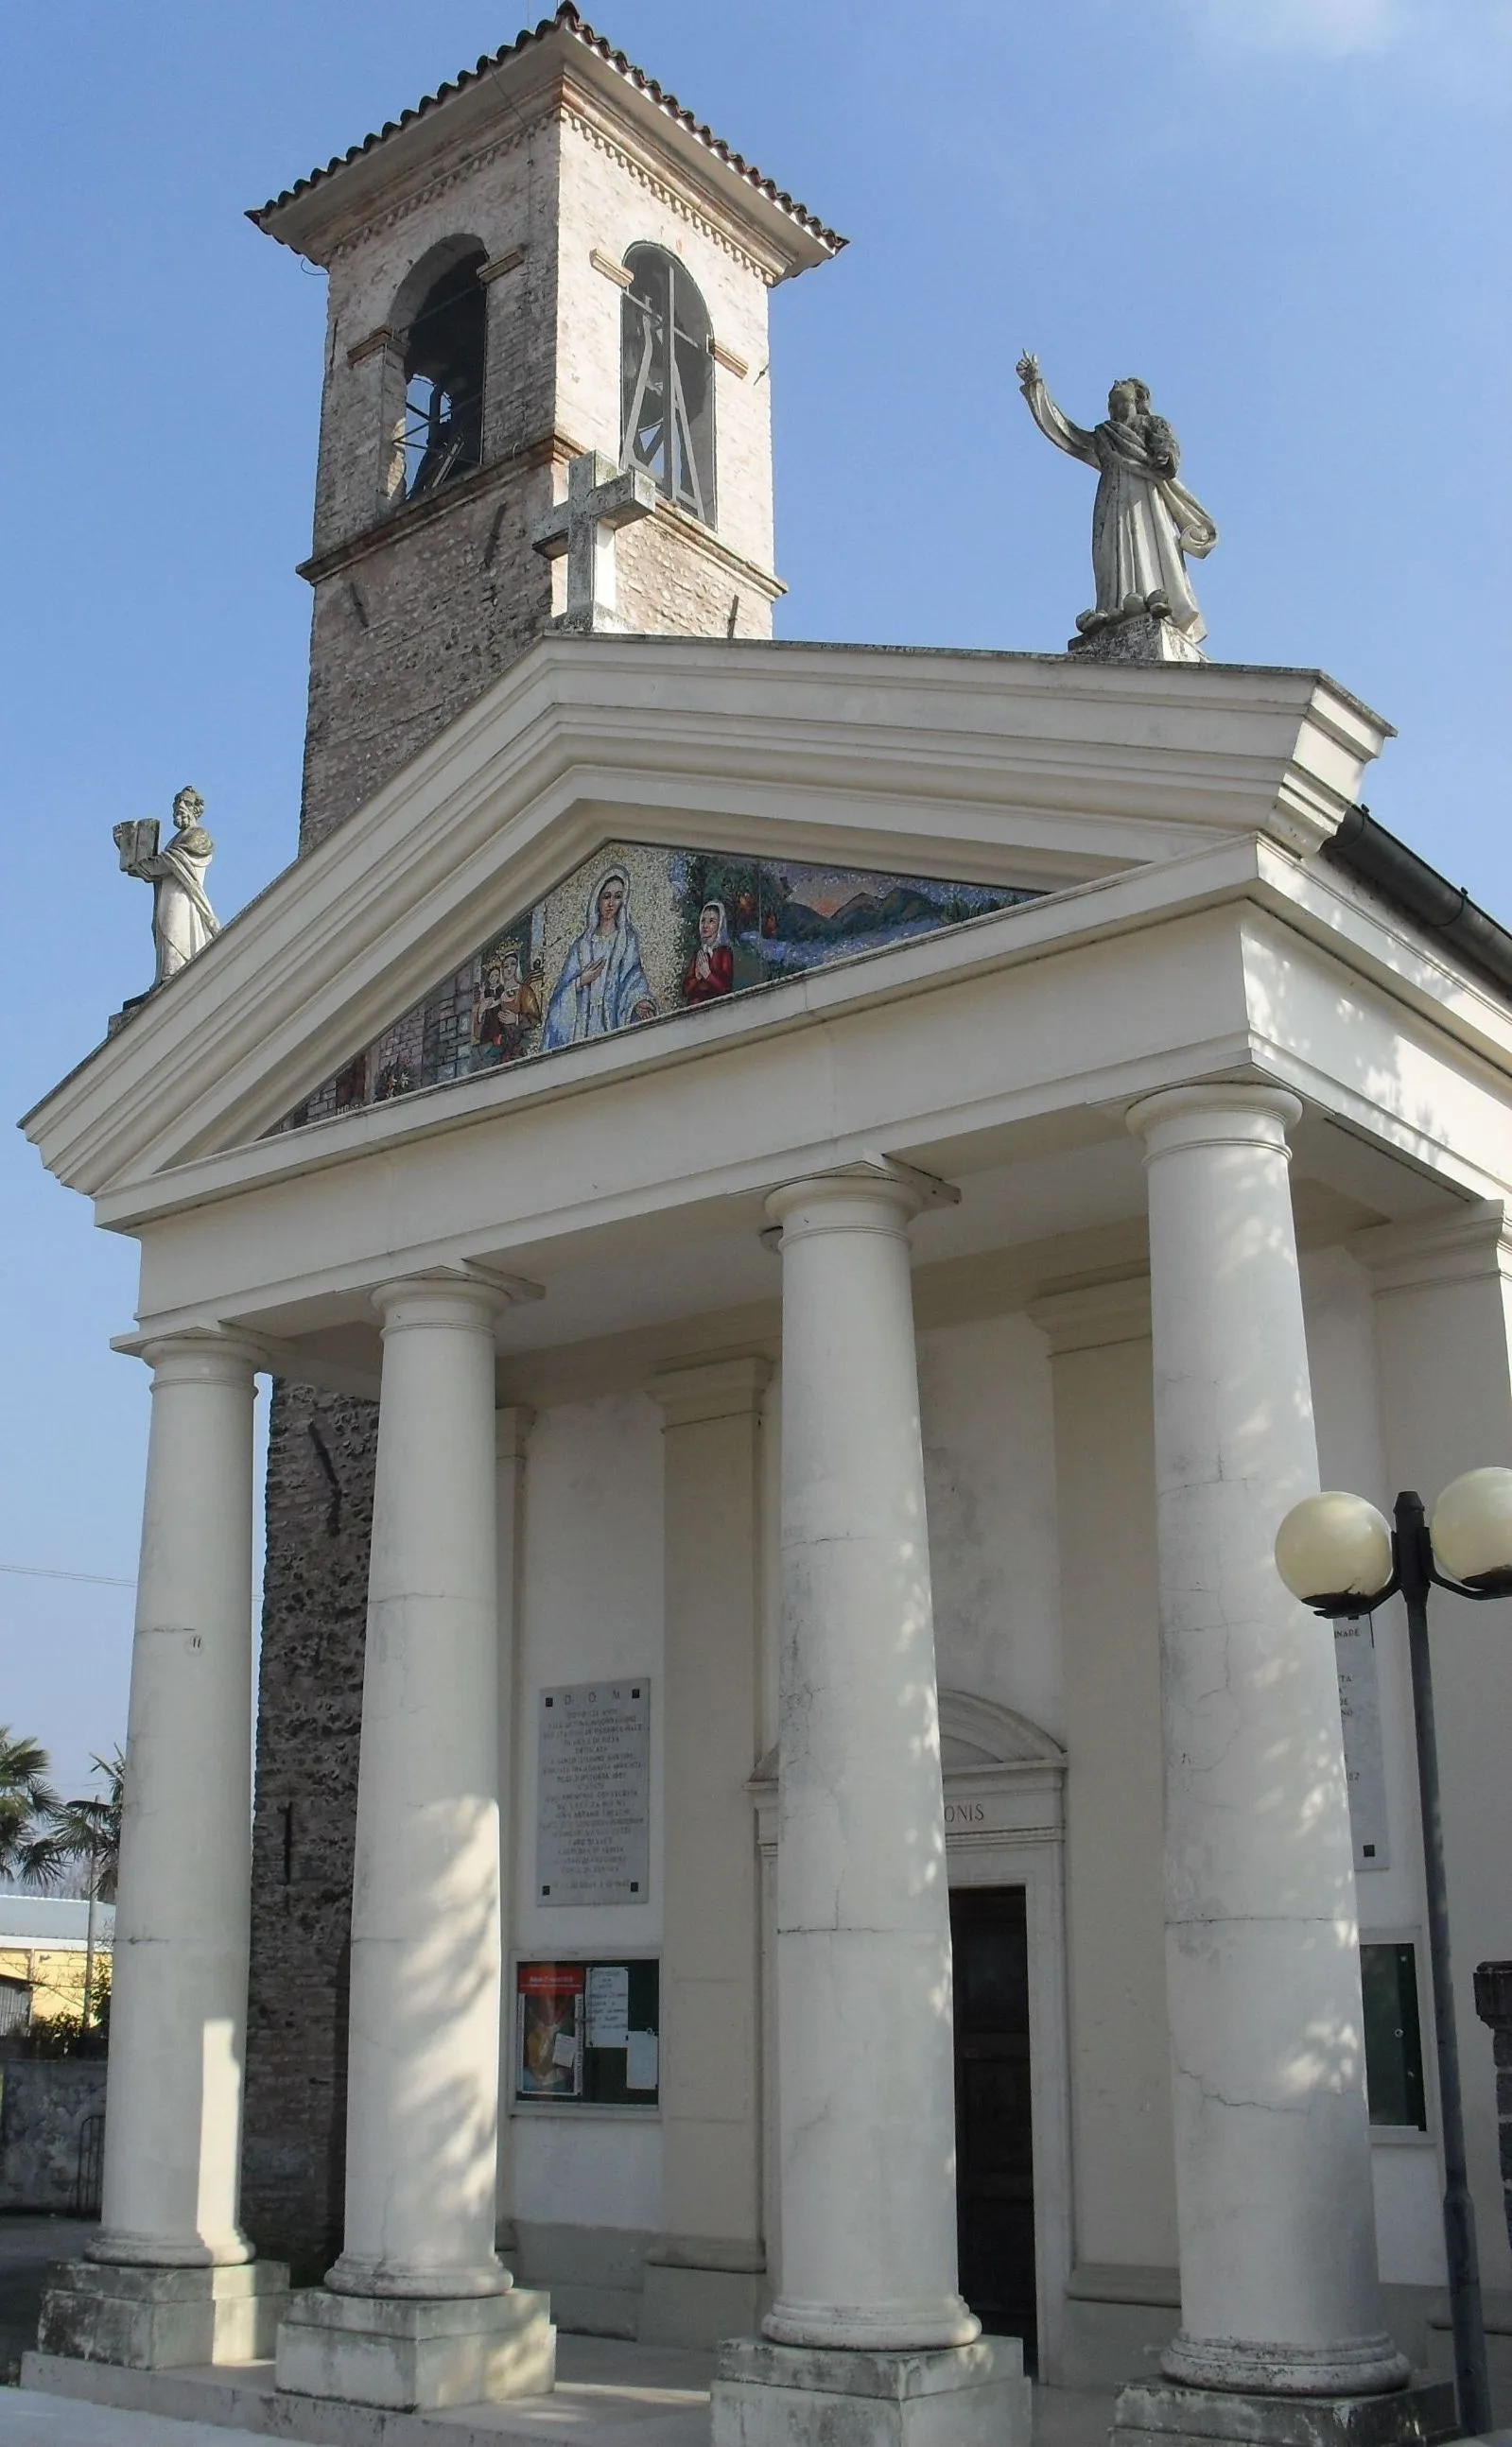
(636, 932)
(837, 801)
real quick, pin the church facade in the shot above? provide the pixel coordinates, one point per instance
(809, 1209)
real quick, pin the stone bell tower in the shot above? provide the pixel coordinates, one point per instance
(545, 258)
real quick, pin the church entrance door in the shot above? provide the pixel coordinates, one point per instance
(995, 2165)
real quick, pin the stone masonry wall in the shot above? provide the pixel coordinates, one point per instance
(405, 637)
(321, 1452)
(45, 2102)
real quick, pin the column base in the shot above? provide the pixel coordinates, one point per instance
(1174, 2415)
(163, 2319)
(1357, 2366)
(410, 2355)
(788, 2396)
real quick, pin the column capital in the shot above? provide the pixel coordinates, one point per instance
(199, 1356)
(710, 1389)
(450, 1296)
(873, 1182)
(1216, 1113)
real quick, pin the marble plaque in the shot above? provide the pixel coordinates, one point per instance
(1360, 1707)
(593, 1802)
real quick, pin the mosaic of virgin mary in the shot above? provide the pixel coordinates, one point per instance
(602, 986)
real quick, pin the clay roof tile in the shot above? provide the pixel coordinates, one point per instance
(567, 20)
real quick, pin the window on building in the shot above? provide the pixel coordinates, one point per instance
(444, 345)
(667, 381)
(1393, 2038)
(16, 2008)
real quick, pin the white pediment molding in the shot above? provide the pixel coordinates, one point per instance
(1004, 1777)
(974, 1734)
(985, 767)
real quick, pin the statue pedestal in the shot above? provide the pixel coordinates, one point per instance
(1141, 637)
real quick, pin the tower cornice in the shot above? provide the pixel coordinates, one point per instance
(563, 62)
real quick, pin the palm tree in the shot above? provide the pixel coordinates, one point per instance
(29, 1850)
(89, 1830)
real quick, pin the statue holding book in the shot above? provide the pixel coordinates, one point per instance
(183, 920)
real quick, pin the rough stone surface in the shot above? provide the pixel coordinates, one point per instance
(404, 636)
(163, 2319)
(45, 2103)
(791, 2396)
(1140, 637)
(674, 577)
(417, 2356)
(320, 1475)
(1182, 2416)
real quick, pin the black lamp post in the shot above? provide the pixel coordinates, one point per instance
(1341, 1557)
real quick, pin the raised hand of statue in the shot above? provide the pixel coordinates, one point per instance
(1027, 370)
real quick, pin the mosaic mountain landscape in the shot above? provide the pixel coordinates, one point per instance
(634, 934)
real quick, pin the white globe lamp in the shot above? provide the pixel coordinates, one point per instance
(1471, 1530)
(1334, 1551)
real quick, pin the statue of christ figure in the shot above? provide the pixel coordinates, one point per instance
(1144, 525)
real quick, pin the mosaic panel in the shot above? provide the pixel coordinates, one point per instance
(633, 933)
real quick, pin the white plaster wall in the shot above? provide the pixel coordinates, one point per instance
(591, 1605)
(1339, 1308)
(569, 2174)
(990, 1480)
(1124, 2164)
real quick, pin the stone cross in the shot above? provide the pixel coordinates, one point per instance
(601, 498)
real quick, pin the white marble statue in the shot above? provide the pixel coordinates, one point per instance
(1144, 525)
(183, 920)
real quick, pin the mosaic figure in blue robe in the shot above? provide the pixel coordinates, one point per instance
(602, 986)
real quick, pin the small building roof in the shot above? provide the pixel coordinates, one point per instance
(53, 1920)
(280, 217)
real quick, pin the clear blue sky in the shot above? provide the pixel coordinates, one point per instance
(1289, 215)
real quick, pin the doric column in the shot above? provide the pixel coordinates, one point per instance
(866, 2064)
(1279, 2291)
(704, 2274)
(167, 2279)
(868, 2311)
(418, 2311)
(422, 2072)
(179, 2002)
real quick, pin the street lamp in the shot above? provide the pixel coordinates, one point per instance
(1341, 1557)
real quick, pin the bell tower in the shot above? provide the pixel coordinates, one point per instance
(545, 257)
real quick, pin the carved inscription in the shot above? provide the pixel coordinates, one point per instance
(593, 1811)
